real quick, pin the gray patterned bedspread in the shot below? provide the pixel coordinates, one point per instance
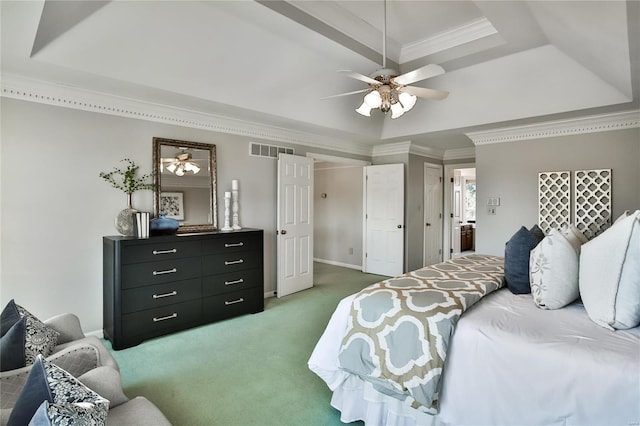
(399, 329)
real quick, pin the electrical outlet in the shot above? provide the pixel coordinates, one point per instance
(350, 250)
(491, 210)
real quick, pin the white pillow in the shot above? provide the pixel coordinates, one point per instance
(574, 236)
(610, 275)
(553, 273)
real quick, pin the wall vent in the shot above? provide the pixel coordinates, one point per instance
(269, 151)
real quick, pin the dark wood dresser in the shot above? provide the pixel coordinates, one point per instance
(159, 285)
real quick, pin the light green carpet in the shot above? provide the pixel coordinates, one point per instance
(249, 370)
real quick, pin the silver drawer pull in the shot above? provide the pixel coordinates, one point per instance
(240, 281)
(233, 262)
(168, 271)
(164, 251)
(168, 317)
(234, 301)
(160, 296)
(234, 245)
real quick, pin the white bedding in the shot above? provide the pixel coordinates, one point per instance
(509, 363)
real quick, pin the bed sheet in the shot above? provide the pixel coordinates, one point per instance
(509, 363)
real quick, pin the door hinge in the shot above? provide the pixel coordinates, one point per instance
(439, 215)
(440, 179)
(451, 180)
(451, 215)
(440, 251)
(451, 251)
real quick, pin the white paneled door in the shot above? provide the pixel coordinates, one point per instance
(295, 224)
(432, 214)
(384, 219)
(456, 214)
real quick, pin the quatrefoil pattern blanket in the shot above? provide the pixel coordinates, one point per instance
(399, 329)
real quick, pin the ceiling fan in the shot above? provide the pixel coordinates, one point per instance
(390, 90)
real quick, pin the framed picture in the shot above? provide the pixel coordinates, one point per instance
(172, 203)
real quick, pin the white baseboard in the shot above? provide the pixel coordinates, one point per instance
(269, 294)
(98, 333)
(334, 263)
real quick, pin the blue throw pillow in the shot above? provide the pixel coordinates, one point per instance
(33, 393)
(516, 258)
(12, 346)
(8, 317)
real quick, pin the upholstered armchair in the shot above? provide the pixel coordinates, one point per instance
(75, 353)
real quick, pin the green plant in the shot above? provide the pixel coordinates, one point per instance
(125, 179)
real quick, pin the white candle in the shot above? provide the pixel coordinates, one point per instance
(227, 194)
(234, 184)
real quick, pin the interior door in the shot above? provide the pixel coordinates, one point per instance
(432, 214)
(456, 215)
(384, 219)
(295, 224)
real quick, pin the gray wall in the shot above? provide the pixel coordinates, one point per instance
(55, 209)
(338, 217)
(510, 171)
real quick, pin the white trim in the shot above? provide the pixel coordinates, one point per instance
(439, 167)
(337, 159)
(97, 333)
(334, 263)
(20, 88)
(407, 147)
(268, 294)
(572, 126)
(471, 31)
(460, 153)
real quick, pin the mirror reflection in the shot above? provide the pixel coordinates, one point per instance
(185, 174)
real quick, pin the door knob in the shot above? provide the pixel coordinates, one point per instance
(428, 224)
(399, 226)
(283, 232)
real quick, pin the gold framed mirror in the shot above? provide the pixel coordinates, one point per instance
(185, 178)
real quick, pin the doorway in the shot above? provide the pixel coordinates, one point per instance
(338, 224)
(460, 210)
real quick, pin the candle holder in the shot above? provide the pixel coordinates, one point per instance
(227, 206)
(234, 202)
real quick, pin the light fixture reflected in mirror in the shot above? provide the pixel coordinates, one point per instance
(183, 163)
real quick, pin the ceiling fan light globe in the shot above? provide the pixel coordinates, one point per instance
(172, 167)
(373, 99)
(407, 100)
(364, 109)
(397, 110)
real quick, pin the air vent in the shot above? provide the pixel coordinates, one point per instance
(269, 151)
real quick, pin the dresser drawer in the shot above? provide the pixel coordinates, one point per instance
(155, 296)
(141, 274)
(160, 251)
(230, 262)
(154, 321)
(233, 281)
(229, 305)
(233, 243)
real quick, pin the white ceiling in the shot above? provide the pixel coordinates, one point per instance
(270, 62)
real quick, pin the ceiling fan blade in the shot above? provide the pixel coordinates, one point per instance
(360, 77)
(422, 92)
(346, 94)
(428, 71)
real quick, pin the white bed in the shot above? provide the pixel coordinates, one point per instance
(509, 363)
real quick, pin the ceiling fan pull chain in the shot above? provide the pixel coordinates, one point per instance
(384, 36)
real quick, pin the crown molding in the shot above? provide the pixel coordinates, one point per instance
(471, 31)
(408, 147)
(460, 153)
(573, 126)
(15, 87)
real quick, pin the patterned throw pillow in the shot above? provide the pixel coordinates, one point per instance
(554, 266)
(51, 396)
(40, 339)
(34, 335)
